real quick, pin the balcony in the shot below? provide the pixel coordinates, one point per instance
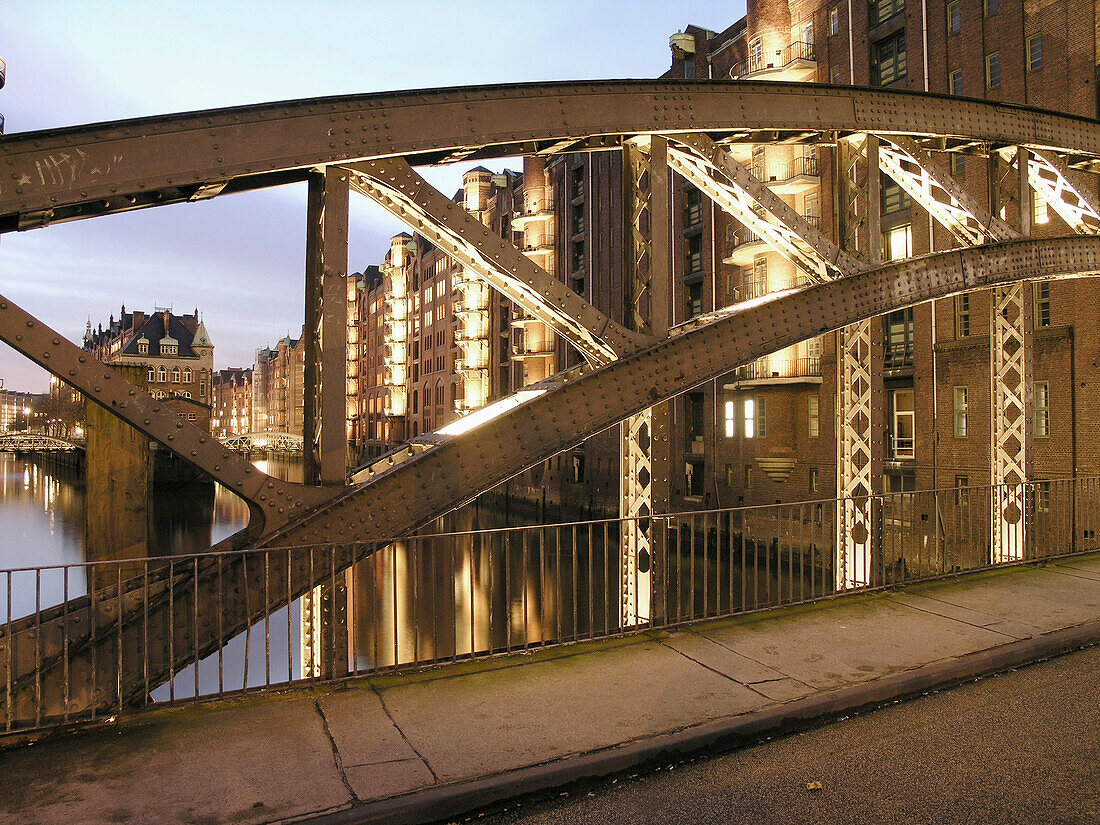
(745, 246)
(798, 175)
(806, 369)
(796, 62)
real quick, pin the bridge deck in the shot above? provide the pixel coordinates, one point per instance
(505, 726)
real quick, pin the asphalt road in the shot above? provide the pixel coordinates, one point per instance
(1021, 747)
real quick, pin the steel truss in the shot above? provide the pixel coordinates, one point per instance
(859, 384)
(644, 460)
(82, 172)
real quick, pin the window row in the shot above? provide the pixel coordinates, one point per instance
(163, 374)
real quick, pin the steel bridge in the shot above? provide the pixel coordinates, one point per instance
(36, 442)
(276, 442)
(370, 144)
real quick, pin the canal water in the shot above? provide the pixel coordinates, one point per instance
(429, 598)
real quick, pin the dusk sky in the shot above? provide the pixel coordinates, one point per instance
(240, 259)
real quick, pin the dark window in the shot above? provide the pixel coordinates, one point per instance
(899, 339)
(576, 223)
(834, 21)
(954, 17)
(694, 295)
(888, 60)
(577, 182)
(956, 82)
(693, 206)
(993, 70)
(962, 491)
(962, 315)
(1035, 52)
(695, 416)
(693, 254)
(882, 10)
(578, 255)
(893, 197)
(991, 7)
(1042, 304)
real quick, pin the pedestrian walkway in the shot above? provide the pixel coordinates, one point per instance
(413, 747)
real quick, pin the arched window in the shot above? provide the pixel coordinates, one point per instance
(175, 375)
(152, 374)
(162, 374)
(187, 376)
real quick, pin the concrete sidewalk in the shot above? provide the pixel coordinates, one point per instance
(429, 745)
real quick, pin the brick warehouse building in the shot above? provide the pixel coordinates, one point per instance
(767, 432)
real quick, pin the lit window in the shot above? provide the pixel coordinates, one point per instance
(162, 374)
(993, 70)
(1035, 52)
(962, 315)
(730, 415)
(834, 21)
(152, 374)
(897, 243)
(176, 375)
(187, 376)
(1042, 409)
(1039, 213)
(962, 412)
(750, 418)
(814, 407)
(954, 17)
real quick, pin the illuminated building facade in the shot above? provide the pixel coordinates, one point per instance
(232, 413)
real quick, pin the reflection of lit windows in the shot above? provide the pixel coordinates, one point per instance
(730, 415)
(834, 21)
(1042, 409)
(888, 62)
(956, 82)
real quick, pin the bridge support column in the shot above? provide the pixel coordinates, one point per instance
(118, 481)
(1010, 373)
(859, 385)
(325, 448)
(645, 460)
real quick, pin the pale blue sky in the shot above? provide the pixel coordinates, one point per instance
(240, 259)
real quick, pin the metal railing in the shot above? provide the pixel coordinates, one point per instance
(430, 599)
(770, 367)
(779, 172)
(797, 51)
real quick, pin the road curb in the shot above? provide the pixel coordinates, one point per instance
(449, 801)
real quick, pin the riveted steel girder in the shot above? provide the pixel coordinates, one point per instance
(952, 206)
(712, 169)
(79, 172)
(456, 471)
(393, 184)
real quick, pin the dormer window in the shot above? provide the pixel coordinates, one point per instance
(143, 346)
(169, 349)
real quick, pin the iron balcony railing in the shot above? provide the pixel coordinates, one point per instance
(430, 599)
(803, 165)
(796, 52)
(744, 236)
(763, 368)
